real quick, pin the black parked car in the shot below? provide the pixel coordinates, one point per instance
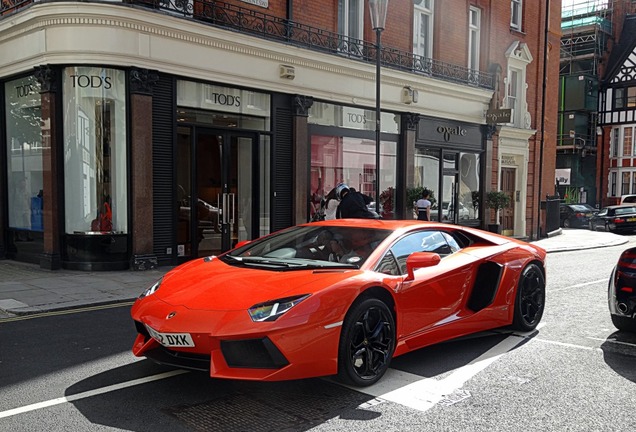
(616, 218)
(621, 292)
(575, 215)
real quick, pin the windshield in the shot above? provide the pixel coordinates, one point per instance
(311, 246)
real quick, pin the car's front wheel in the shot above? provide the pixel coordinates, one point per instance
(566, 223)
(367, 343)
(624, 323)
(530, 299)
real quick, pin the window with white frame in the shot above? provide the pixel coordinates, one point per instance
(423, 28)
(350, 18)
(474, 35)
(613, 184)
(628, 141)
(516, 10)
(515, 87)
(625, 183)
(614, 143)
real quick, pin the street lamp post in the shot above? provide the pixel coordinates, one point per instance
(378, 10)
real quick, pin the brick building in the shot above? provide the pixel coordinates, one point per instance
(150, 132)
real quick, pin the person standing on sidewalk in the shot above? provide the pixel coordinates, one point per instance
(424, 207)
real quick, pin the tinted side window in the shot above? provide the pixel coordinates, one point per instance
(423, 241)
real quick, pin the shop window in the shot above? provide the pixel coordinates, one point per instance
(469, 186)
(95, 173)
(24, 156)
(427, 169)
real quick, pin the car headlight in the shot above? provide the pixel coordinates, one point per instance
(151, 290)
(271, 310)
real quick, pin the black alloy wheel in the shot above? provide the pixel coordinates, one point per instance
(367, 343)
(530, 299)
(566, 223)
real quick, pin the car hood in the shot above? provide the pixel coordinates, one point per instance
(214, 285)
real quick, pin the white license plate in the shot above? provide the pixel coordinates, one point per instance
(172, 340)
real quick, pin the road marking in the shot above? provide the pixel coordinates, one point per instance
(612, 341)
(414, 392)
(90, 393)
(580, 285)
(569, 345)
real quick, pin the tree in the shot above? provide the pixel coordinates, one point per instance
(497, 200)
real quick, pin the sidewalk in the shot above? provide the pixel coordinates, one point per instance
(28, 289)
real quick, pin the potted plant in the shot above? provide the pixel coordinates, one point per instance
(497, 200)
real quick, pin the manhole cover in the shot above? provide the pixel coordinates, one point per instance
(271, 407)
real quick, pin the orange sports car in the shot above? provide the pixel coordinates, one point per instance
(340, 297)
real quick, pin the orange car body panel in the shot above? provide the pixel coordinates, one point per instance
(210, 300)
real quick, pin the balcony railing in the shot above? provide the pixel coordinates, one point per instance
(270, 27)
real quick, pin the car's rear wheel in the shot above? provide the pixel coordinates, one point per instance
(530, 299)
(367, 342)
(624, 323)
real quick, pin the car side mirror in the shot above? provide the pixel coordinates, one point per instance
(420, 260)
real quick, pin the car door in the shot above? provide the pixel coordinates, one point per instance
(436, 294)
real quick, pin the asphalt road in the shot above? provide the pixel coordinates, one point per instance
(74, 371)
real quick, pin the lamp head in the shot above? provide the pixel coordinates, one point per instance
(378, 9)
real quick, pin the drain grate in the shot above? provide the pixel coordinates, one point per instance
(271, 407)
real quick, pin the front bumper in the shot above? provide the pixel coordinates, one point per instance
(231, 345)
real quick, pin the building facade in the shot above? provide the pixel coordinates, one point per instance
(145, 133)
(617, 116)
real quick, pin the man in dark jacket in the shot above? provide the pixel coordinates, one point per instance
(352, 204)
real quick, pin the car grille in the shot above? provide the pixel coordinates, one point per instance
(245, 353)
(253, 353)
(179, 359)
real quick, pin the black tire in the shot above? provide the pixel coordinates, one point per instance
(530, 299)
(591, 226)
(566, 223)
(624, 323)
(367, 343)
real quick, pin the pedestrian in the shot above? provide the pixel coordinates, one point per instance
(352, 204)
(331, 205)
(424, 206)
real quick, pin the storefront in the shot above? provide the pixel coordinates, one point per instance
(222, 167)
(449, 163)
(121, 191)
(343, 150)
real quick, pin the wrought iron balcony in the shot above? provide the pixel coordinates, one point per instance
(270, 27)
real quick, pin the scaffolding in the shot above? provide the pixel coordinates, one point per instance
(586, 27)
